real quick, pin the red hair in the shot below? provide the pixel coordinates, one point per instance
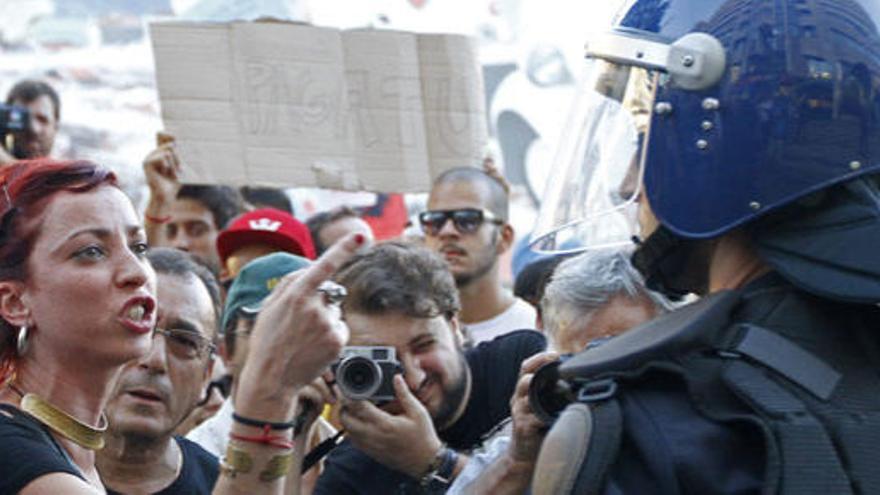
(25, 189)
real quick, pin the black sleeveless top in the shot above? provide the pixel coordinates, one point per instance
(27, 451)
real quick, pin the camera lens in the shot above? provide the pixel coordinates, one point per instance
(358, 377)
(548, 394)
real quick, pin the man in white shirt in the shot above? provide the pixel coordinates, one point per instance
(467, 224)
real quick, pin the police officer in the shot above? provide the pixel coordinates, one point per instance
(739, 142)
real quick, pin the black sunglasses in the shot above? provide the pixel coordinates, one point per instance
(466, 220)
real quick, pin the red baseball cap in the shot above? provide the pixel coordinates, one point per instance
(266, 226)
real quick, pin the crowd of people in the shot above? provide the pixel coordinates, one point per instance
(214, 343)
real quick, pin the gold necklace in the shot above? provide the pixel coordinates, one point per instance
(64, 424)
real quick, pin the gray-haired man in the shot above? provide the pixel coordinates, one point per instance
(594, 296)
(590, 297)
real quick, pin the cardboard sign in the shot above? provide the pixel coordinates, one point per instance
(284, 104)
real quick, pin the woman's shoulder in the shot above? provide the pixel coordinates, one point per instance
(15, 423)
(28, 451)
(22, 435)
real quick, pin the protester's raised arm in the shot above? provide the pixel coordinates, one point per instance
(297, 335)
(162, 172)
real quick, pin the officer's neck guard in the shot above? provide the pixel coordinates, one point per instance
(827, 244)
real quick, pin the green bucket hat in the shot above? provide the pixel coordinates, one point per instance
(255, 281)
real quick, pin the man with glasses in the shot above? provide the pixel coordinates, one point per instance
(466, 223)
(157, 392)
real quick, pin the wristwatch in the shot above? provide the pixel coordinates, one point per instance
(441, 468)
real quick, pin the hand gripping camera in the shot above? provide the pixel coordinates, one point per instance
(548, 394)
(14, 121)
(367, 373)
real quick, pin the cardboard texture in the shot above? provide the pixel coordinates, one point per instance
(286, 104)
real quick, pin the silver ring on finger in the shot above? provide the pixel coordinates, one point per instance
(333, 293)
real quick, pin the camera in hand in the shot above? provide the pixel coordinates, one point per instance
(14, 122)
(548, 393)
(367, 373)
(14, 119)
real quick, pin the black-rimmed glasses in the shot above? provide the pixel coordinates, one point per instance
(465, 220)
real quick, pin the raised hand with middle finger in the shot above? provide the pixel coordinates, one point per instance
(296, 336)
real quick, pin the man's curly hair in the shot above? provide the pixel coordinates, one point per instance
(397, 277)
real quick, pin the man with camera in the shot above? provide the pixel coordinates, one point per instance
(28, 121)
(413, 403)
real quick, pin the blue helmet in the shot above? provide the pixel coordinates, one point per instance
(723, 110)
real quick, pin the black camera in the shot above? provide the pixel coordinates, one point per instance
(367, 373)
(14, 120)
(548, 393)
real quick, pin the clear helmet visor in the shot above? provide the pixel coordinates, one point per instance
(591, 197)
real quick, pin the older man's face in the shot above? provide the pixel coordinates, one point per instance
(618, 315)
(158, 391)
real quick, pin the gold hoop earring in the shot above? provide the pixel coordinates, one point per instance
(21, 343)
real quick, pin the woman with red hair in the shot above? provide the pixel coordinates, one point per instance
(77, 301)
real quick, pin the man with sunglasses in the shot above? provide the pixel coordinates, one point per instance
(157, 392)
(466, 223)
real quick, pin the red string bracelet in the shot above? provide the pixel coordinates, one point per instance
(264, 439)
(157, 220)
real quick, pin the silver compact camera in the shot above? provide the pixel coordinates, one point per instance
(367, 373)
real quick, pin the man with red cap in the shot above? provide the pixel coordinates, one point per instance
(258, 233)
